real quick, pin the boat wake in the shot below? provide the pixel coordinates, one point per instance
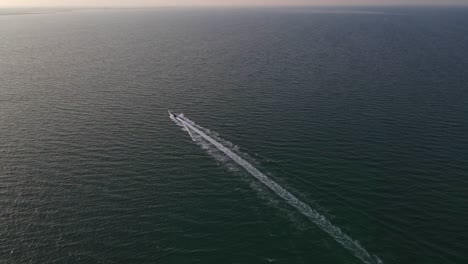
(198, 133)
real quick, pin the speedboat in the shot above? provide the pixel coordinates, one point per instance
(172, 114)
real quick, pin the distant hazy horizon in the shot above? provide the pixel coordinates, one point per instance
(158, 3)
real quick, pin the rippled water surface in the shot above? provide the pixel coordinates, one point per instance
(360, 114)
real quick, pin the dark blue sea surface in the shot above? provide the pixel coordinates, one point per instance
(360, 113)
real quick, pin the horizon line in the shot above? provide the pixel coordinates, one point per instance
(241, 6)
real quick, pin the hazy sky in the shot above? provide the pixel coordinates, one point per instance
(19, 3)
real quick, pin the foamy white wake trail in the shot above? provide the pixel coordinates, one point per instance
(314, 216)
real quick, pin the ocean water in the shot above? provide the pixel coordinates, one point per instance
(360, 114)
